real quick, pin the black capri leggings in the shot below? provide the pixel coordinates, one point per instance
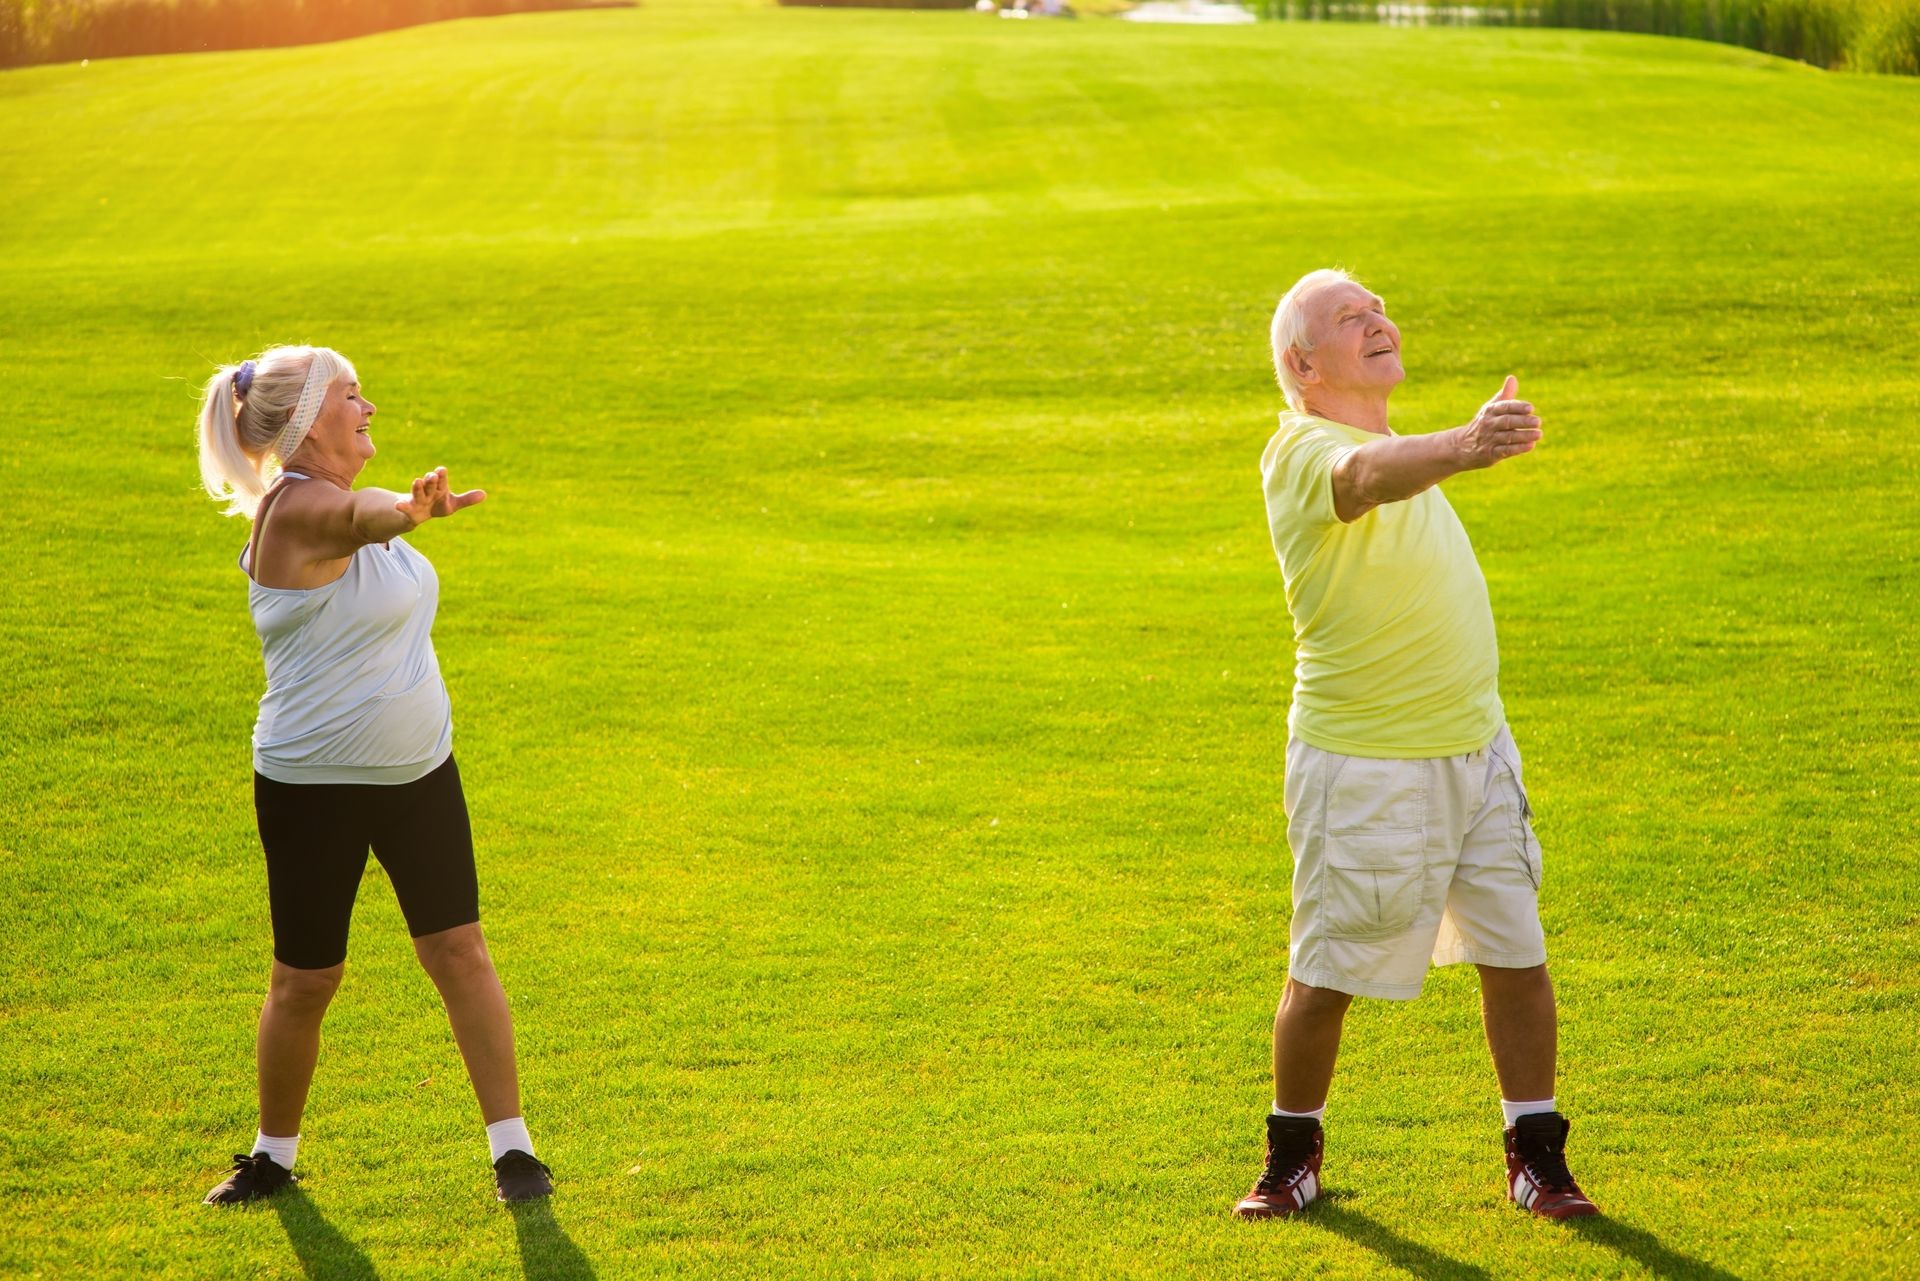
(316, 836)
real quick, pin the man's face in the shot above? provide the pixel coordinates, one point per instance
(1355, 346)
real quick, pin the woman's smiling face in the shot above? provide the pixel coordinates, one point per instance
(342, 432)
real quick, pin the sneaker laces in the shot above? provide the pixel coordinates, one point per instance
(1276, 1176)
(1283, 1163)
(1547, 1163)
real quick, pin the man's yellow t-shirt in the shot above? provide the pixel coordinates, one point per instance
(1393, 634)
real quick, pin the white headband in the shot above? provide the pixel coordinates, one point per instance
(312, 392)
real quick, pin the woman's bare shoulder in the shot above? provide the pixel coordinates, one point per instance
(313, 497)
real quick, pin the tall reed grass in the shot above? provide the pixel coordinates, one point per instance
(1880, 36)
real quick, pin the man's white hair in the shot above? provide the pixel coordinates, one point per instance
(1290, 328)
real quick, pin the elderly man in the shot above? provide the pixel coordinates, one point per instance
(1406, 814)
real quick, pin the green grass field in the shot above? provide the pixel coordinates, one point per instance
(870, 671)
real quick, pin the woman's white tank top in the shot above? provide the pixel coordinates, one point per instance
(354, 693)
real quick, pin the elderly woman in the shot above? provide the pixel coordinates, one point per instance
(354, 743)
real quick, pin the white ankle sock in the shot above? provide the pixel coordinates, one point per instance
(1317, 1114)
(281, 1150)
(1514, 1111)
(507, 1136)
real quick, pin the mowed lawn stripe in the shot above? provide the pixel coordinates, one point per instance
(1582, 111)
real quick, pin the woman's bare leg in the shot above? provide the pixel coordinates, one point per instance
(289, 1042)
(457, 962)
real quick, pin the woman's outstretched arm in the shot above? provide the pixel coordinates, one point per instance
(341, 522)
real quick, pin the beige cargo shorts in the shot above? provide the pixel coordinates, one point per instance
(1396, 862)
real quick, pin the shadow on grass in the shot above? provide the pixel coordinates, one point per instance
(1393, 1249)
(1645, 1249)
(324, 1254)
(547, 1253)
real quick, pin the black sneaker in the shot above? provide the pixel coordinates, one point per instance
(253, 1177)
(518, 1177)
(1291, 1181)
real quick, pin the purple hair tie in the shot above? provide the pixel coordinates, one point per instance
(243, 379)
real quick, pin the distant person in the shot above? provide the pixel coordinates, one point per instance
(1406, 813)
(353, 747)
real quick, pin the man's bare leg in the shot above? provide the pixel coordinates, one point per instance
(1306, 1041)
(1522, 1030)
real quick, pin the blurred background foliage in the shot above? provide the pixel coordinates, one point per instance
(1857, 35)
(36, 31)
(1881, 36)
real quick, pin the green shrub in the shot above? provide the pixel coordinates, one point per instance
(1864, 35)
(1888, 40)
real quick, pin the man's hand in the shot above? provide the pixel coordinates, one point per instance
(432, 496)
(1397, 468)
(1503, 428)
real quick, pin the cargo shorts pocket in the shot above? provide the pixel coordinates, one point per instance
(1374, 883)
(1526, 846)
(1529, 843)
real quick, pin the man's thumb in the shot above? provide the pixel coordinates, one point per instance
(1511, 389)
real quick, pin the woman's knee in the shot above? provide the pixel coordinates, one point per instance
(297, 989)
(460, 952)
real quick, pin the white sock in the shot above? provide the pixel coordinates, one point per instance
(507, 1136)
(1514, 1111)
(281, 1150)
(1317, 1114)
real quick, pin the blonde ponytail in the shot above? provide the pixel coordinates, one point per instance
(228, 471)
(254, 414)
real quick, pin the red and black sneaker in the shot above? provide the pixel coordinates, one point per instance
(1537, 1176)
(1291, 1180)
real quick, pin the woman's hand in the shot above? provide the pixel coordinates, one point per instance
(432, 496)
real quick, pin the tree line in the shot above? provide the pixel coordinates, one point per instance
(1855, 35)
(37, 31)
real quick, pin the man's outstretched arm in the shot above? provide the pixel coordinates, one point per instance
(1397, 468)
